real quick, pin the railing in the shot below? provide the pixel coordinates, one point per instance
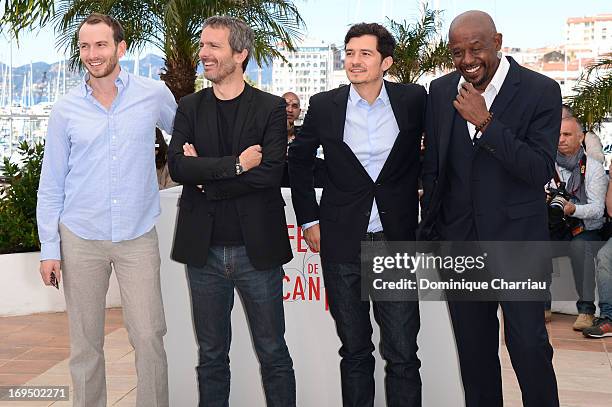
(18, 127)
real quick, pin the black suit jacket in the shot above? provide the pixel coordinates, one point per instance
(512, 160)
(349, 191)
(261, 119)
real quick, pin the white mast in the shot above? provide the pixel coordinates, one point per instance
(137, 63)
(57, 83)
(4, 84)
(10, 86)
(31, 92)
(24, 88)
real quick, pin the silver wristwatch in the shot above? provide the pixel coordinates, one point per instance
(239, 169)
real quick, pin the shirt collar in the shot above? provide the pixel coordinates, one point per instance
(121, 82)
(354, 97)
(498, 78)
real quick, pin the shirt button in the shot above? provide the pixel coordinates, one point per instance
(114, 201)
(114, 157)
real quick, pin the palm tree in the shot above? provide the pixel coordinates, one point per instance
(592, 101)
(172, 26)
(420, 48)
(20, 15)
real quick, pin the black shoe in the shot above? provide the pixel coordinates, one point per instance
(601, 327)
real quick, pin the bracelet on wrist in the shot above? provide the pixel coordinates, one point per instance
(483, 124)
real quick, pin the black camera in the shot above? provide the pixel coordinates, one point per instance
(560, 225)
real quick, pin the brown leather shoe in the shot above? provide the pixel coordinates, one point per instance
(583, 321)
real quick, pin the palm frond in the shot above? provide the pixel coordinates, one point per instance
(173, 26)
(22, 15)
(419, 48)
(592, 102)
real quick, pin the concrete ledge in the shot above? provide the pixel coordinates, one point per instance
(22, 291)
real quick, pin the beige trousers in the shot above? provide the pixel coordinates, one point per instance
(86, 267)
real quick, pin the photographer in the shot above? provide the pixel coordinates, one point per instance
(578, 190)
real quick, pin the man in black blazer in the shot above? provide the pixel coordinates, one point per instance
(370, 132)
(228, 150)
(492, 132)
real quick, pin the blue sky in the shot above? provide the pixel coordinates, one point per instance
(524, 23)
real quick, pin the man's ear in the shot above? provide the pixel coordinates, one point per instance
(121, 48)
(239, 57)
(386, 63)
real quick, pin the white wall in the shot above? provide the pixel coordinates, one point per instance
(310, 334)
(22, 291)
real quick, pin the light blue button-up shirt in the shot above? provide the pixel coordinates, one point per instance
(370, 131)
(98, 174)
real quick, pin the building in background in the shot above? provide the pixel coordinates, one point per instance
(307, 70)
(588, 37)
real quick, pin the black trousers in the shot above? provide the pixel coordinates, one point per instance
(476, 329)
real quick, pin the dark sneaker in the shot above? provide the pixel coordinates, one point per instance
(601, 327)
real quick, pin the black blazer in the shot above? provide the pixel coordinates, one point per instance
(513, 159)
(261, 119)
(349, 191)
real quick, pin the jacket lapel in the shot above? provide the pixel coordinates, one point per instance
(445, 119)
(208, 110)
(338, 119)
(244, 108)
(397, 101)
(508, 89)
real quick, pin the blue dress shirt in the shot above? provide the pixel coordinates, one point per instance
(98, 175)
(370, 132)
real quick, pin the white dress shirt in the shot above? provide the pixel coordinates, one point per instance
(491, 90)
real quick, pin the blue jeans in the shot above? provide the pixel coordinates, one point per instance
(212, 297)
(399, 325)
(604, 279)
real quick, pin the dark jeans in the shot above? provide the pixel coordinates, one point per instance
(399, 325)
(582, 257)
(212, 296)
(476, 330)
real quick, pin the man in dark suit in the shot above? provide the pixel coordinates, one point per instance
(492, 132)
(370, 132)
(228, 150)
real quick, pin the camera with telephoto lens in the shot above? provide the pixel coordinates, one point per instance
(559, 224)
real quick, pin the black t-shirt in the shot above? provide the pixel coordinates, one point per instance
(226, 226)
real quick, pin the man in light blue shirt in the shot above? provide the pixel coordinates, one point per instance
(98, 202)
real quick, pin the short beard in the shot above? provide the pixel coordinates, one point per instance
(112, 63)
(226, 69)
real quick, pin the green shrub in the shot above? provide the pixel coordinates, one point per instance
(18, 232)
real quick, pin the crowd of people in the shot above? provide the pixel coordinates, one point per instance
(495, 136)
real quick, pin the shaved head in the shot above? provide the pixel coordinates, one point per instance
(292, 108)
(473, 18)
(290, 94)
